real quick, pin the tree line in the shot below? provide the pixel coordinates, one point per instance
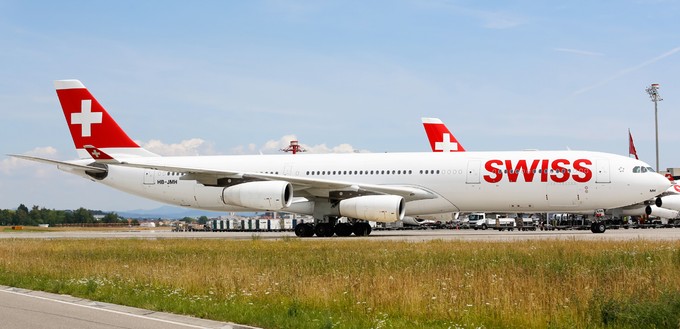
(37, 215)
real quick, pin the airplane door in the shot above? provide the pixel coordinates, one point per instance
(473, 172)
(288, 169)
(149, 177)
(602, 174)
(562, 195)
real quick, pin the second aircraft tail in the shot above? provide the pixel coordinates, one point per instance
(441, 139)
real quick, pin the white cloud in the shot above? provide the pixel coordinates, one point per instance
(275, 146)
(342, 148)
(194, 146)
(578, 52)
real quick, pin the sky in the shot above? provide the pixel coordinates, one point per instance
(245, 77)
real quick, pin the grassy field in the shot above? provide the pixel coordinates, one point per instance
(338, 283)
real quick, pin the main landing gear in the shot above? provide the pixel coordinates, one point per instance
(305, 230)
(598, 227)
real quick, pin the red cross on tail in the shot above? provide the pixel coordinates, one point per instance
(90, 124)
(441, 139)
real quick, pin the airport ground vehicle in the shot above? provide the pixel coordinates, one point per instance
(501, 222)
(483, 221)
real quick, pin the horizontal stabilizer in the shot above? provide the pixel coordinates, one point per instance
(60, 164)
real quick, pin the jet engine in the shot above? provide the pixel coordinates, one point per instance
(377, 208)
(413, 221)
(669, 202)
(661, 212)
(265, 195)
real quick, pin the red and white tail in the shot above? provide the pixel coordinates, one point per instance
(91, 125)
(441, 139)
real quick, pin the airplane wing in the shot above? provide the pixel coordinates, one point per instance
(302, 185)
(60, 164)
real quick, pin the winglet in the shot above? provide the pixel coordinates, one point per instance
(441, 139)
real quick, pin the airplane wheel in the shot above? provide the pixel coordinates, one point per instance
(299, 230)
(362, 229)
(304, 230)
(598, 228)
(343, 229)
(324, 230)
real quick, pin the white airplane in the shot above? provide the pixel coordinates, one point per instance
(442, 140)
(381, 187)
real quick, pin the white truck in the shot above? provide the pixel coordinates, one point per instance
(484, 221)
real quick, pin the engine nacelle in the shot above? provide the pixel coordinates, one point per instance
(412, 221)
(669, 202)
(377, 208)
(265, 195)
(638, 210)
(430, 219)
(661, 212)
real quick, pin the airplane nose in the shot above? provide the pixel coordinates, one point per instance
(661, 183)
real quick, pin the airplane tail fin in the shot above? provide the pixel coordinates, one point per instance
(441, 139)
(90, 124)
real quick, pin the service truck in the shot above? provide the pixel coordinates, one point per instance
(483, 221)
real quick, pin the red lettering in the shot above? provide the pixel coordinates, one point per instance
(497, 171)
(521, 167)
(561, 175)
(583, 174)
(558, 171)
(544, 170)
(512, 172)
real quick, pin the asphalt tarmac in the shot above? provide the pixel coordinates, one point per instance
(409, 235)
(27, 309)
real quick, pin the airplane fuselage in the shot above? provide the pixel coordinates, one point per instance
(526, 181)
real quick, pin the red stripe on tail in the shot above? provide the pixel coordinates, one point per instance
(87, 120)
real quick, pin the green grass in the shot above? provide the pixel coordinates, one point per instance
(342, 283)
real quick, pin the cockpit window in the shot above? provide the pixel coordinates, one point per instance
(642, 169)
